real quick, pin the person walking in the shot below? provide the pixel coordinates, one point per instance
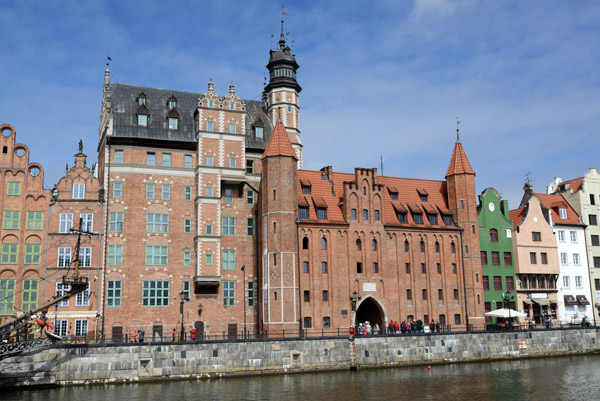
(133, 336)
(141, 334)
(432, 326)
(173, 335)
(193, 333)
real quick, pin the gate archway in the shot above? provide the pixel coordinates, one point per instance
(369, 309)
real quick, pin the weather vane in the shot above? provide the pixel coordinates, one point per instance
(457, 130)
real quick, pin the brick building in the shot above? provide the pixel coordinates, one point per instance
(24, 205)
(77, 203)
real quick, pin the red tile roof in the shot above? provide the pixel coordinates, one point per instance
(556, 202)
(517, 216)
(330, 191)
(574, 184)
(459, 162)
(279, 143)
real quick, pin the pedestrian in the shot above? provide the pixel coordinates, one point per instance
(376, 329)
(141, 333)
(69, 337)
(391, 327)
(133, 335)
(432, 326)
(193, 333)
(396, 327)
(437, 327)
(361, 329)
(413, 326)
(173, 336)
(403, 327)
(419, 326)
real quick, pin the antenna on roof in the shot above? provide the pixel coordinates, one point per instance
(528, 178)
(457, 130)
(381, 162)
(271, 41)
(108, 59)
(292, 43)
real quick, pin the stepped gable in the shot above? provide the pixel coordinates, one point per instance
(330, 191)
(125, 106)
(279, 143)
(556, 202)
(517, 216)
(459, 162)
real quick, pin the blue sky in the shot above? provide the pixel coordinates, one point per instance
(380, 79)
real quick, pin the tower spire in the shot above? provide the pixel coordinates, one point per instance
(282, 37)
(457, 131)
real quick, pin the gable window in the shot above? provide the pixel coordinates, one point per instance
(493, 235)
(394, 195)
(259, 132)
(172, 102)
(306, 189)
(536, 236)
(447, 219)
(173, 123)
(141, 100)
(13, 188)
(78, 191)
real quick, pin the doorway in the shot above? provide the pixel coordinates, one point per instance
(370, 310)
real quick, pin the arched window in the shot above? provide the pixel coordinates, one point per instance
(493, 235)
(437, 246)
(452, 247)
(405, 246)
(374, 244)
(305, 243)
(358, 245)
(422, 246)
(323, 243)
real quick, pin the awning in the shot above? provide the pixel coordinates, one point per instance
(527, 302)
(582, 300)
(570, 300)
(542, 302)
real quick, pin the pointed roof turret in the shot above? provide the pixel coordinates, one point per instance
(459, 162)
(279, 143)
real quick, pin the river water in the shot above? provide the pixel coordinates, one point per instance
(548, 379)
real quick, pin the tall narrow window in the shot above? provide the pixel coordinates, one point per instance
(78, 191)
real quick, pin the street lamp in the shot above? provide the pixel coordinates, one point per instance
(244, 289)
(184, 298)
(506, 298)
(354, 301)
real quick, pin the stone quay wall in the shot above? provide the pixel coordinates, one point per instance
(71, 364)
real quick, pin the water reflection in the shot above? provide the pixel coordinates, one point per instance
(568, 378)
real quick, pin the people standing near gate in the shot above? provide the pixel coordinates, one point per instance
(133, 336)
(419, 326)
(403, 327)
(432, 326)
(413, 326)
(173, 335)
(141, 334)
(391, 327)
(437, 327)
(376, 329)
(193, 333)
(361, 329)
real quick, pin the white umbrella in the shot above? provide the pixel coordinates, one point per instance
(505, 312)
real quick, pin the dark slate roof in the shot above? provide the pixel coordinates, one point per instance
(124, 107)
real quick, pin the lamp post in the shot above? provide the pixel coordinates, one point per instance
(244, 270)
(184, 298)
(506, 298)
(354, 298)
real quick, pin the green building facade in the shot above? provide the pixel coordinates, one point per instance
(495, 237)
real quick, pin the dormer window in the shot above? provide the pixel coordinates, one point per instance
(303, 212)
(418, 218)
(211, 103)
(173, 123)
(231, 106)
(321, 213)
(306, 187)
(563, 213)
(142, 120)
(423, 195)
(172, 103)
(402, 217)
(447, 219)
(141, 99)
(259, 132)
(393, 193)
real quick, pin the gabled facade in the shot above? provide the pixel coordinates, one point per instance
(536, 258)
(77, 203)
(24, 208)
(495, 238)
(583, 194)
(573, 284)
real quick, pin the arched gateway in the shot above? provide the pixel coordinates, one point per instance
(369, 309)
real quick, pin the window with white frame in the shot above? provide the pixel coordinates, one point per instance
(578, 281)
(115, 222)
(576, 260)
(64, 257)
(78, 191)
(561, 235)
(142, 120)
(566, 281)
(117, 189)
(60, 327)
(85, 257)
(573, 236)
(87, 222)
(563, 258)
(62, 289)
(66, 223)
(228, 259)
(83, 298)
(81, 328)
(173, 123)
(563, 213)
